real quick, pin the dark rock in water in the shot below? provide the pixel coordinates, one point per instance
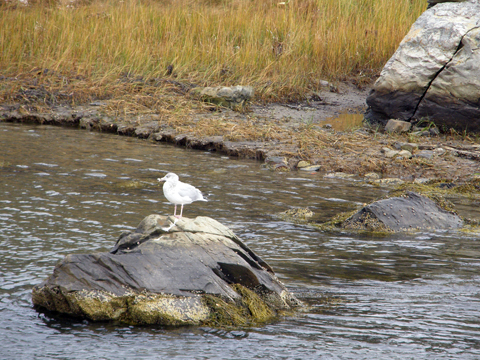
(410, 212)
(196, 272)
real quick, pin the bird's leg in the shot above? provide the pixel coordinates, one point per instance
(181, 210)
(175, 211)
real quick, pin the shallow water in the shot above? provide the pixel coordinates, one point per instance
(69, 191)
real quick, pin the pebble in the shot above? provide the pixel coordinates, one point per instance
(404, 154)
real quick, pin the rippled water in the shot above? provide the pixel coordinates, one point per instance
(67, 191)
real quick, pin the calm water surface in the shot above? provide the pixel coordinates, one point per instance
(66, 191)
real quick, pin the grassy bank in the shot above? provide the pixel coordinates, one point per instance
(281, 48)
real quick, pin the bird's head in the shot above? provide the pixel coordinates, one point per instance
(170, 177)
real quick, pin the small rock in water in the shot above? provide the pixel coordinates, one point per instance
(303, 163)
(311, 168)
(404, 213)
(276, 163)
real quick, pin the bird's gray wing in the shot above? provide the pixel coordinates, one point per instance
(189, 191)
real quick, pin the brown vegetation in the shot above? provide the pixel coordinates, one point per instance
(140, 59)
(280, 48)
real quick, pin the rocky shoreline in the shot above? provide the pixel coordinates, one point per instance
(290, 134)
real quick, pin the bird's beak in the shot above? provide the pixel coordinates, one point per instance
(162, 179)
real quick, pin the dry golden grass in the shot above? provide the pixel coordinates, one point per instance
(121, 52)
(280, 48)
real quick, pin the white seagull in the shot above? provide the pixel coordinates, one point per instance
(179, 193)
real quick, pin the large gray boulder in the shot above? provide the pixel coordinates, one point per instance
(410, 212)
(195, 272)
(435, 72)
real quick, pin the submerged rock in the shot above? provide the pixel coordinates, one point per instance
(196, 272)
(409, 212)
(296, 215)
(276, 163)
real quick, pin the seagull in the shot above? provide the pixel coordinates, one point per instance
(179, 193)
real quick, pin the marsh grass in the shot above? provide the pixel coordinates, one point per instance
(141, 58)
(280, 49)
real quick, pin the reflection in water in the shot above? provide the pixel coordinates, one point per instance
(346, 121)
(66, 191)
